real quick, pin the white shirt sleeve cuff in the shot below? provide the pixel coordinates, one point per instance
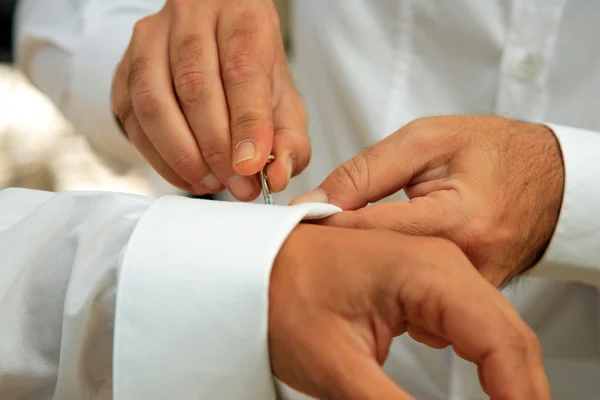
(574, 251)
(192, 300)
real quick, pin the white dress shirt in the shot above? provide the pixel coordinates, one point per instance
(364, 69)
(178, 287)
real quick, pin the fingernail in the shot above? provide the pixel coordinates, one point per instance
(245, 150)
(316, 196)
(210, 182)
(241, 186)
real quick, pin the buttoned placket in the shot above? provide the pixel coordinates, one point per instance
(530, 44)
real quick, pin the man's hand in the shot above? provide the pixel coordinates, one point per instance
(338, 297)
(203, 92)
(492, 185)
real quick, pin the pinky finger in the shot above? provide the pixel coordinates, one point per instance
(141, 142)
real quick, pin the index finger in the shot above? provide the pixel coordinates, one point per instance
(384, 168)
(247, 57)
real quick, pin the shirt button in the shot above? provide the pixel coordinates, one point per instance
(530, 67)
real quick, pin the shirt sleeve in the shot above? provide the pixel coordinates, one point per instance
(193, 296)
(60, 254)
(574, 251)
(188, 280)
(70, 49)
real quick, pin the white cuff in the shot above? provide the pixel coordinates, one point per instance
(192, 301)
(574, 251)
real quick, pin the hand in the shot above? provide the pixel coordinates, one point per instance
(338, 297)
(492, 185)
(204, 94)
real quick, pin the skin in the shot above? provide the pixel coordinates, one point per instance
(356, 290)
(204, 94)
(205, 81)
(491, 185)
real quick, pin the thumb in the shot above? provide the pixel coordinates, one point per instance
(364, 178)
(383, 168)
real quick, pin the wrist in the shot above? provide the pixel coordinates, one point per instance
(549, 161)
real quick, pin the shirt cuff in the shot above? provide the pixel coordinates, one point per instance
(574, 251)
(192, 300)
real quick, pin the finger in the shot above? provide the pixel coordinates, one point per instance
(383, 168)
(424, 188)
(484, 329)
(291, 146)
(351, 370)
(363, 379)
(194, 61)
(123, 109)
(138, 139)
(508, 358)
(246, 48)
(432, 215)
(156, 106)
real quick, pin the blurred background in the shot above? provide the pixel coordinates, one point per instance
(38, 147)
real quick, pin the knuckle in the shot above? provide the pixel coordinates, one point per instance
(354, 174)
(241, 68)
(185, 164)
(147, 103)
(214, 152)
(249, 120)
(142, 28)
(418, 123)
(420, 134)
(425, 125)
(245, 27)
(192, 89)
(190, 81)
(190, 50)
(215, 156)
(137, 70)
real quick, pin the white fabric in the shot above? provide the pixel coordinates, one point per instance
(189, 279)
(365, 68)
(200, 312)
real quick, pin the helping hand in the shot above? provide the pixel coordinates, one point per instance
(204, 94)
(492, 185)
